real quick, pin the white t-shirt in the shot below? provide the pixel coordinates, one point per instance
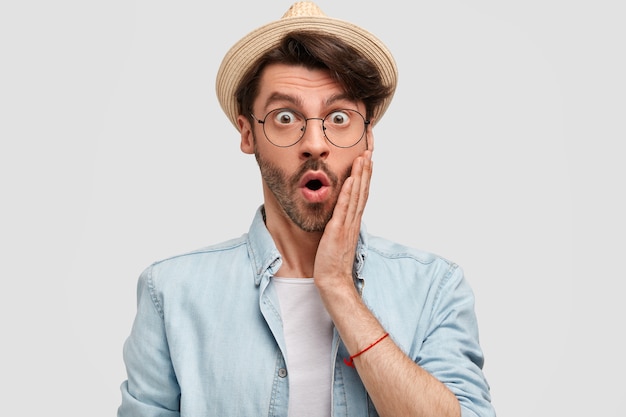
(308, 334)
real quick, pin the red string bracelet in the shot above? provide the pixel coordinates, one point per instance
(350, 362)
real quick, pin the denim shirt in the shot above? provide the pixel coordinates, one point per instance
(208, 340)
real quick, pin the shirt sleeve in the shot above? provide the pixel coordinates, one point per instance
(151, 388)
(451, 350)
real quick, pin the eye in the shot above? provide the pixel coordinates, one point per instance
(285, 117)
(338, 118)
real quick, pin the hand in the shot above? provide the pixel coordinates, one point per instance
(335, 254)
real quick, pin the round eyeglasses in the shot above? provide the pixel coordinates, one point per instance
(285, 127)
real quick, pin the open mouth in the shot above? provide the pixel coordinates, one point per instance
(314, 185)
(314, 180)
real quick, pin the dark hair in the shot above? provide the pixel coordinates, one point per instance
(357, 75)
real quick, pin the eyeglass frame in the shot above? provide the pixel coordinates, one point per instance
(366, 122)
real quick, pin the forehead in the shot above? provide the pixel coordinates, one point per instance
(306, 89)
(297, 75)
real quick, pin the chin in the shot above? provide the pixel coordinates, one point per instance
(312, 219)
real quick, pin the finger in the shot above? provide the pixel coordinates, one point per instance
(366, 176)
(343, 201)
(356, 175)
(363, 175)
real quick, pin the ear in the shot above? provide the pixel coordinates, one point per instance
(247, 136)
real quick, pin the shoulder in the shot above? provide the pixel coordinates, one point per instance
(200, 262)
(384, 250)
(216, 250)
(397, 261)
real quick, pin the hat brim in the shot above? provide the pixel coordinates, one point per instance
(250, 48)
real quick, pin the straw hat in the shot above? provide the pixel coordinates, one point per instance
(301, 16)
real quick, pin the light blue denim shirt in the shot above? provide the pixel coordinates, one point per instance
(208, 339)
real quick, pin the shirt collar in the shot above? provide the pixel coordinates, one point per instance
(265, 257)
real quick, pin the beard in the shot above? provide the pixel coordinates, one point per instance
(310, 217)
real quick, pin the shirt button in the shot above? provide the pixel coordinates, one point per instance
(282, 372)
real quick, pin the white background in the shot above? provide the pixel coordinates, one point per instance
(502, 151)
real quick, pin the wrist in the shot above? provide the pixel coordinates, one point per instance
(338, 288)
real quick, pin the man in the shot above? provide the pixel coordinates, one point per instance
(307, 314)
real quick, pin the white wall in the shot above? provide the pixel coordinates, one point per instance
(501, 151)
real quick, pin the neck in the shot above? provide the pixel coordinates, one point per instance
(297, 247)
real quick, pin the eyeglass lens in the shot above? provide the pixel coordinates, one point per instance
(343, 128)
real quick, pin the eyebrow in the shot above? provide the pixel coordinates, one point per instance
(298, 102)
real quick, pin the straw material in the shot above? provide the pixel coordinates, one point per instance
(304, 16)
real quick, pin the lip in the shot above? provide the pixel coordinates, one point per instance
(315, 196)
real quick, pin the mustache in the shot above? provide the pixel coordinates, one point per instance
(315, 165)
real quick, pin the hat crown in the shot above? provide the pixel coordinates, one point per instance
(303, 9)
(303, 15)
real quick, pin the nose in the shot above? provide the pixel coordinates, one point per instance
(313, 143)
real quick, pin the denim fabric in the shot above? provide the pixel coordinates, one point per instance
(207, 339)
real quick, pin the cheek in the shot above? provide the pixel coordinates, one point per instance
(282, 160)
(345, 174)
(345, 165)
